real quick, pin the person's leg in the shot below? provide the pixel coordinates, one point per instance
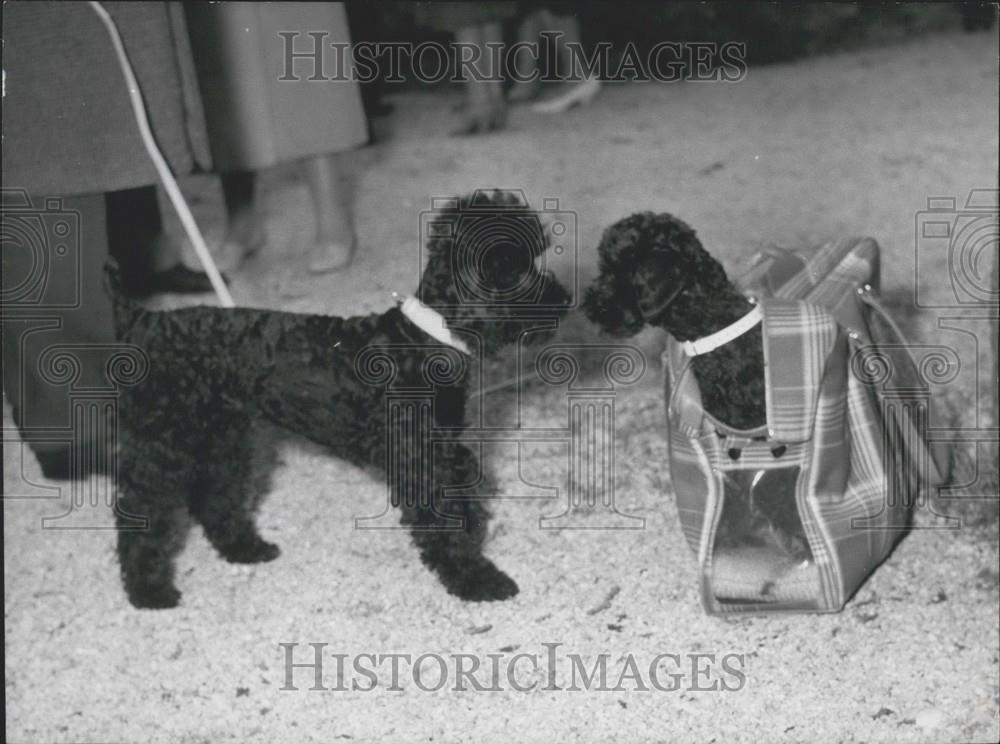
(493, 35)
(53, 300)
(245, 232)
(334, 242)
(570, 27)
(577, 92)
(133, 219)
(526, 64)
(485, 109)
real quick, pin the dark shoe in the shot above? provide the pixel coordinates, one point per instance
(55, 463)
(180, 279)
(978, 16)
(54, 459)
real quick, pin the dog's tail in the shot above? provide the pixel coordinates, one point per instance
(126, 310)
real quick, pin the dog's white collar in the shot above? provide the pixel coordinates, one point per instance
(432, 323)
(727, 334)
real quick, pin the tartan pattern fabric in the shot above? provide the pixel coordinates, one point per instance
(830, 421)
(798, 338)
(833, 270)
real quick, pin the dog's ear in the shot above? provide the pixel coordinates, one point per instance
(610, 302)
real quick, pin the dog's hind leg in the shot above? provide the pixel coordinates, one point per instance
(223, 498)
(147, 555)
(449, 532)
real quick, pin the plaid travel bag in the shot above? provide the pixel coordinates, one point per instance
(818, 496)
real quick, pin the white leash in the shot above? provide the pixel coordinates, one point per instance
(727, 334)
(169, 183)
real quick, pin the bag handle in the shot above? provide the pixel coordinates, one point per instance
(917, 446)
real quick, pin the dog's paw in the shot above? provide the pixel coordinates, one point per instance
(251, 551)
(159, 597)
(484, 583)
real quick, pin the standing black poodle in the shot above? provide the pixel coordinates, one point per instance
(212, 371)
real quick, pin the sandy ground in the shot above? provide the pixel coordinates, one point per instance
(845, 144)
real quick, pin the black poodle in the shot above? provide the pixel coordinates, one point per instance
(183, 430)
(654, 271)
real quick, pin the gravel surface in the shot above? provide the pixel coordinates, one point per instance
(844, 144)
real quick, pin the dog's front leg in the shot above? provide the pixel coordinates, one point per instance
(449, 532)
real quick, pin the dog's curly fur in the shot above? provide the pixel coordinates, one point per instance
(654, 271)
(183, 431)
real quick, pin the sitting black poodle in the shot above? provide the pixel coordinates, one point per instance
(212, 371)
(654, 271)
